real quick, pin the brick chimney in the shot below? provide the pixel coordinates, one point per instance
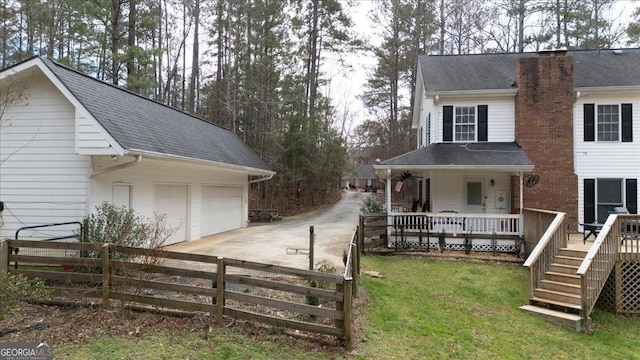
(544, 130)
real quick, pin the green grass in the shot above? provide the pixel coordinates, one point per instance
(436, 309)
(221, 344)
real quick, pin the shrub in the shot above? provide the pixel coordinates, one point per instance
(15, 288)
(117, 225)
(468, 243)
(442, 242)
(371, 205)
(324, 267)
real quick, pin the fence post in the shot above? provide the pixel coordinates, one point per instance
(361, 234)
(358, 249)
(311, 246)
(85, 230)
(106, 275)
(220, 291)
(4, 256)
(354, 268)
(347, 303)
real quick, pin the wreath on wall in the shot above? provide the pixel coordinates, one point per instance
(531, 180)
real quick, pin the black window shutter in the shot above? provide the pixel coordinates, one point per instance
(632, 195)
(447, 123)
(627, 123)
(589, 122)
(589, 201)
(482, 123)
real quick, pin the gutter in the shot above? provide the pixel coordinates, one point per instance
(239, 168)
(261, 178)
(133, 163)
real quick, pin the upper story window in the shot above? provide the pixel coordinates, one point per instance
(420, 138)
(608, 122)
(465, 123)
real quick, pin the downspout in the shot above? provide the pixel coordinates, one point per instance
(135, 162)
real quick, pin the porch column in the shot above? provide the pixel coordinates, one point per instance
(387, 195)
(387, 191)
(521, 191)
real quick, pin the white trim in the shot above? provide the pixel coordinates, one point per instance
(38, 63)
(231, 167)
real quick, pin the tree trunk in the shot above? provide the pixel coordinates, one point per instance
(195, 71)
(131, 43)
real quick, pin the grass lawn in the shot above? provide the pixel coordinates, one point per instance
(425, 308)
(221, 344)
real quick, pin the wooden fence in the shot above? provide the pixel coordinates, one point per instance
(305, 300)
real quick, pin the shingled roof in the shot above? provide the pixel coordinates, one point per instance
(508, 156)
(592, 68)
(140, 124)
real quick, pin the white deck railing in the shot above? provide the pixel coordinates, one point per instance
(500, 224)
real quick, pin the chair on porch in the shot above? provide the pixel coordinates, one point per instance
(456, 221)
(628, 228)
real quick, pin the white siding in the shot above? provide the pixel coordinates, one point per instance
(605, 159)
(42, 180)
(92, 139)
(501, 116)
(448, 193)
(152, 171)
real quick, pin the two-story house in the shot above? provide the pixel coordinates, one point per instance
(501, 132)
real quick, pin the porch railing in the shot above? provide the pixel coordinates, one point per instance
(450, 222)
(551, 241)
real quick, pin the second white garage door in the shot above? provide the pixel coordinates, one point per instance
(171, 200)
(221, 209)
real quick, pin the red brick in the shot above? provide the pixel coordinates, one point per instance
(544, 130)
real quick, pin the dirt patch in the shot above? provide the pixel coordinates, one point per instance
(75, 325)
(454, 255)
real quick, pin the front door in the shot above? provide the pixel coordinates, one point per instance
(474, 197)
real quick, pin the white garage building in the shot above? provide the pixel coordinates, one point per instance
(69, 142)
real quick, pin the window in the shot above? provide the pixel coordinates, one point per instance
(465, 123)
(420, 138)
(608, 123)
(609, 196)
(601, 196)
(474, 193)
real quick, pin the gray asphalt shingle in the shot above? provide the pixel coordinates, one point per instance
(138, 123)
(464, 154)
(592, 68)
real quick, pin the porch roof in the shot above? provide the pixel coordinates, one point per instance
(462, 156)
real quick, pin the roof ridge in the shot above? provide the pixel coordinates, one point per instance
(45, 60)
(529, 52)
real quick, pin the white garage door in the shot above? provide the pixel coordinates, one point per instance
(171, 200)
(221, 209)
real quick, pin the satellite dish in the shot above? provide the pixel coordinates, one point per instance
(531, 180)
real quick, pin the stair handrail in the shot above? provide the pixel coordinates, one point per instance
(545, 239)
(549, 245)
(597, 266)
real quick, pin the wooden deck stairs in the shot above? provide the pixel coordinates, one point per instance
(557, 298)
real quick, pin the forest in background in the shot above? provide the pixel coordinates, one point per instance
(259, 67)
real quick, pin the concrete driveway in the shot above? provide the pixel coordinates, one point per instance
(275, 242)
